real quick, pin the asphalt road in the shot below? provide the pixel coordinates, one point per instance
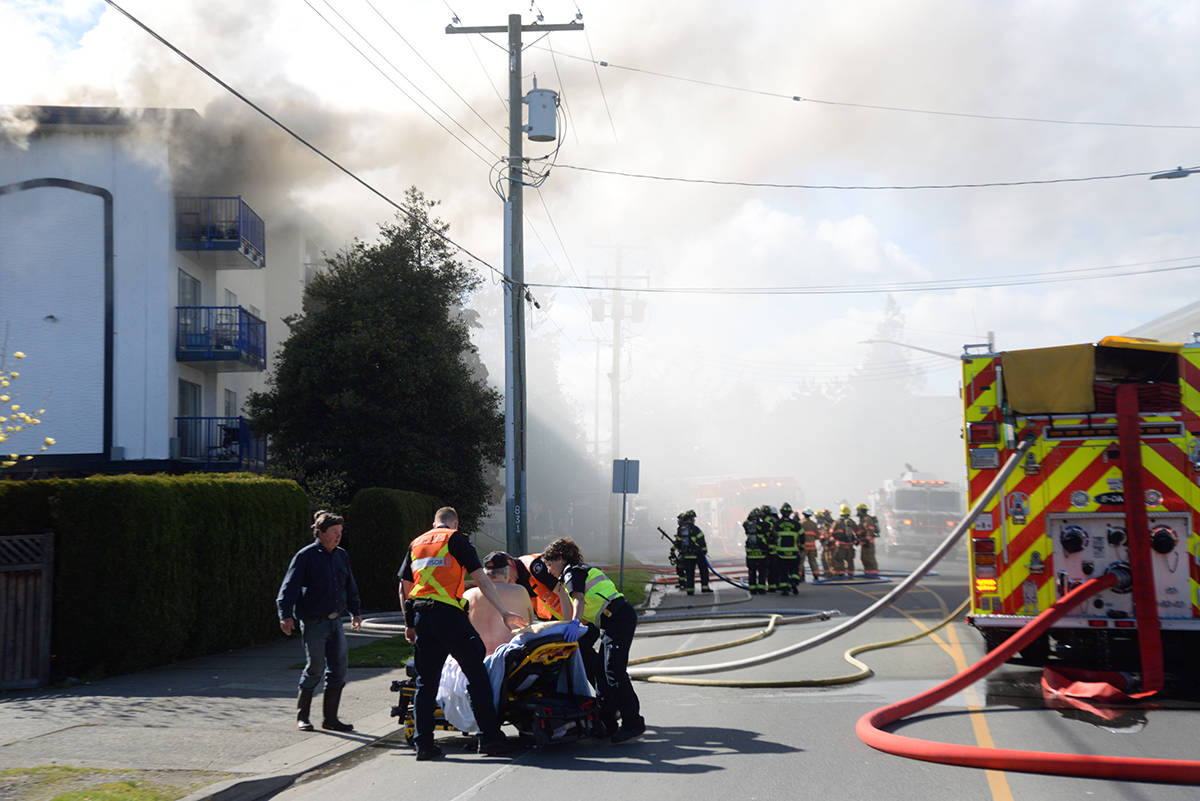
(784, 743)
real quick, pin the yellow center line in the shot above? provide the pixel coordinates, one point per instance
(996, 779)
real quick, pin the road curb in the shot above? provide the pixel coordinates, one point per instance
(270, 773)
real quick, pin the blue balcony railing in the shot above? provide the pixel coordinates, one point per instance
(220, 337)
(214, 443)
(224, 228)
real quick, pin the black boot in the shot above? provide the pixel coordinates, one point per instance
(303, 705)
(330, 701)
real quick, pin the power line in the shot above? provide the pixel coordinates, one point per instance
(563, 92)
(435, 71)
(877, 107)
(412, 215)
(389, 79)
(599, 83)
(940, 285)
(858, 187)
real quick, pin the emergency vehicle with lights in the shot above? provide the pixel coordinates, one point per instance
(916, 511)
(722, 503)
(1110, 483)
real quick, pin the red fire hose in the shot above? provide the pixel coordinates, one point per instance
(870, 731)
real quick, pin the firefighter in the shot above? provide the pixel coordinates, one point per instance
(787, 551)
(769, 519)
(845, 534)
(828, 545)
(691, 549)
(868, 531)
(811, 532)
(756, 553)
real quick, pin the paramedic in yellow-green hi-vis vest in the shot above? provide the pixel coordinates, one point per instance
(596, 602)
(432, 578)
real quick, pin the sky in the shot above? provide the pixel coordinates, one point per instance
(892, 93)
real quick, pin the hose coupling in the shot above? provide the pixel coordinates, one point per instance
(1124, 576)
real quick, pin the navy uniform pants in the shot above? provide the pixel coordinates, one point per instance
(444, 630)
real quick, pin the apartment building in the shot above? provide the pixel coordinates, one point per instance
(147, 310)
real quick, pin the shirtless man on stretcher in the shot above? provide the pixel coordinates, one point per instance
(483, 616)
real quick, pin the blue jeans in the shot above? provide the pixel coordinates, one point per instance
(324, 652)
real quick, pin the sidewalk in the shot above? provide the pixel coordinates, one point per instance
(230, 714)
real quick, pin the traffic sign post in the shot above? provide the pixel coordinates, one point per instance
(625, 481)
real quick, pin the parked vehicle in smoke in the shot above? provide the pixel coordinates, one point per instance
(722, 503)
(916, 511)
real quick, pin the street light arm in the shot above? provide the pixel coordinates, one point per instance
(954, 356)
(1178, 172)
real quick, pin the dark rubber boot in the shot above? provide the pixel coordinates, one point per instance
(330, 701)
(303, 707)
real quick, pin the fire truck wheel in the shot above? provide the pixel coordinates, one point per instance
(993, 637)
(1038, 651)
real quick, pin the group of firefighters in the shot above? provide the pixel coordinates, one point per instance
(778, 543)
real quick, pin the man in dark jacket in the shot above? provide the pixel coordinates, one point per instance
(317, 589)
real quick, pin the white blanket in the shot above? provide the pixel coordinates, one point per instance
(452, 694)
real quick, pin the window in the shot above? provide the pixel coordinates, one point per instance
(191, 325)
(231, 406)
(189, 290)
(227, 322)
(191, 427)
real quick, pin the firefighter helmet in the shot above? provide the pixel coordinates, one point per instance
(755, 514)
(862, 509)
(845, 509)
(808, 512)
(786, 509)
(768, 510)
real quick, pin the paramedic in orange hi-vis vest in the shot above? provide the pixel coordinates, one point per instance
(432, 580)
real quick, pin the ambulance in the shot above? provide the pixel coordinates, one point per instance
(1109, 484)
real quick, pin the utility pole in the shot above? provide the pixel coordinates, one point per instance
(515, 494)
(619, 310)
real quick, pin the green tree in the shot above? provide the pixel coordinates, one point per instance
(374, 386)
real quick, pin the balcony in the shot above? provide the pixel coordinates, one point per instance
(220, 443)
(220, 338)
(223, 232)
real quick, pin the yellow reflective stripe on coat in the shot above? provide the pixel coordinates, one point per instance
(426, 569)
(597, 594)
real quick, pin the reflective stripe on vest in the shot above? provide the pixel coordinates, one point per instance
(597, 594)
(436, 574)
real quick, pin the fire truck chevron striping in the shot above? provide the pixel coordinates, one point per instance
(1063, 517)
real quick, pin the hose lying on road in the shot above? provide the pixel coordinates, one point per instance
(870, 726)
(873, 609)
(864, 671)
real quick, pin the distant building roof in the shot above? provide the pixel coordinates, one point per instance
(1176, 326)
(64, 116)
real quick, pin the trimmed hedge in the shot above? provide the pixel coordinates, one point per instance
(380, 524)
(152, 569)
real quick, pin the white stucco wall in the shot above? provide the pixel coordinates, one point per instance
(51, 262)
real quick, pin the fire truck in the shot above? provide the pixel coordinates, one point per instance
(916, 511)
(1109, 485)
(722, 503)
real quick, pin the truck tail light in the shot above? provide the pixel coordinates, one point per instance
(985, 559)
(983, 585)
(983, 432)
(983, 545)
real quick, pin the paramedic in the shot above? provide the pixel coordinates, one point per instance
(596, 601)
(431, 590)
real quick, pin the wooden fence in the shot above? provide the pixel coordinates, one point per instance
(26, 598)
